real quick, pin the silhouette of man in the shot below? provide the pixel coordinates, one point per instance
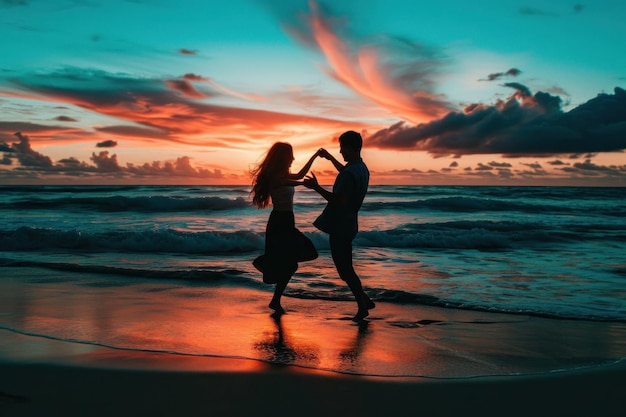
(340, 216)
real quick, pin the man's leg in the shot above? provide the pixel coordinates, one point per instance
(341, 251)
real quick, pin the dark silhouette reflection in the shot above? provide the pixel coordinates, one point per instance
(349, 357)
(277, 347)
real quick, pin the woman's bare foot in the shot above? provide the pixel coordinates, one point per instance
(361, 314)
(278, 309)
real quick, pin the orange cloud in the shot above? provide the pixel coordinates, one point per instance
(395, 74)
(156, 109)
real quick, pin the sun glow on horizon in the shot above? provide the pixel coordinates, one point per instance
(203, 106)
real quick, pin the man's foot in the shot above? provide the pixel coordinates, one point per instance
(365, 303)
(278, 309)
(361, 314)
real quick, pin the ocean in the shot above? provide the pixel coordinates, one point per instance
(69, 256)
(556, 252)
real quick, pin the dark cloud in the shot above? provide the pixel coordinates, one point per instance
(500, 164)
(33, 163)
(104, 162)
(185, 87)
(93, 88)
(65, 119)
(557, 162)
(185, 51)
(532, 11)
(27, 156)
(522, 125)
(588, 168)
(513, 72)
(195, 77)
(588, 155)
(395, 171)
(536, 166)
(106, 144)
(28, 127)
(71, 161)
(521, 88)
(505, 174)
(501, 168)
(181, 167)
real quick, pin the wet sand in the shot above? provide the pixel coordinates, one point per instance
(118, 389)
(118, 346)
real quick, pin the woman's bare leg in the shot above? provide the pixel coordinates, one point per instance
(278, 292)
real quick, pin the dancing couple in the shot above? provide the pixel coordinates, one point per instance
(285, 245)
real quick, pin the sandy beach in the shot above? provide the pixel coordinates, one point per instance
(134, 347)
(125, 385)
(57, 390)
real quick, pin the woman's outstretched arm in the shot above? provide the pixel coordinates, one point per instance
(300, 174)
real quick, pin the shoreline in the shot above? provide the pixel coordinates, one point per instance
(92, 356)
(37, 389)
(49, 377)
(229, 357)
(61, 316)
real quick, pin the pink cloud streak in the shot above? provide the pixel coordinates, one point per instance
(365, 72)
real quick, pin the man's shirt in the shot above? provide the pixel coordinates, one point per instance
(351, 182)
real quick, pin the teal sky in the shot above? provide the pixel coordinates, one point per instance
(255, 71)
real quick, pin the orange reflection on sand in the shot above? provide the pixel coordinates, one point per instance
(296, 341)
(119, 322)
(170, 326)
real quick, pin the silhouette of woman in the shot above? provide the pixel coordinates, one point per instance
(285, 245)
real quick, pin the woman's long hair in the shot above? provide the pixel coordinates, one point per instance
(275, 165)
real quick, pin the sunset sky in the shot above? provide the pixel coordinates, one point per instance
(195, 91)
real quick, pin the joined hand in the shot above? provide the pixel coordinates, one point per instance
(323, 153)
